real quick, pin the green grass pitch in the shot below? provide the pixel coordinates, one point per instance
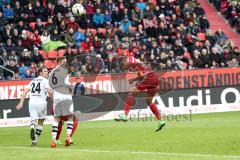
(214, 136)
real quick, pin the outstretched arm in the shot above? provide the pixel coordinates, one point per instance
(20, 105)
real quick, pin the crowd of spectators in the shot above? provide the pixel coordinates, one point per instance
(231, 11)
(166, 34)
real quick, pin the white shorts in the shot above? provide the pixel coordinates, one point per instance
(63, 107)
(38, 111)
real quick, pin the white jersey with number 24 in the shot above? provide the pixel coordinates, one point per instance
(38, 90)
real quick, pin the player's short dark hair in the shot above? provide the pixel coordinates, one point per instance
(59, 59)
(40, 70)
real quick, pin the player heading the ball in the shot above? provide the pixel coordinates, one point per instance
(147, 81)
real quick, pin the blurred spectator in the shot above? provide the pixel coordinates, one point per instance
(16, 76)
(37, 57)
(36, 39)
(27, 75)
(125, 24)
(98, 18)
(215, 57)
(26, 42)
(49, 10)
(117, 16)
(220, 36)
(9, 46)
(141, 5)
(86, 44)
(56, 36)
(107, 18)
(6, 34)
(25, 57)
(79, 88)
(10, 65)
(3, 23)
(39, 26)
(204, 24)
(78, 37)
(18, 11)
(39, 11)
(8, 12)
(15, 37)
(59, 8)
(69, 37)
(72, 23)
(50, 26)
(22, 69)
(29, 13)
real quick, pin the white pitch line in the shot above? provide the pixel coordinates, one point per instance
(128, 152)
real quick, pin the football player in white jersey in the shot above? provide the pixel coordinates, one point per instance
(62, 99)
(37, 89)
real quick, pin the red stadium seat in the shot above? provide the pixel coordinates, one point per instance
(32, 25)
(49, 64)
(43, 53)
(52, 54)
(54, 63)
(201, 36)
(61, 52)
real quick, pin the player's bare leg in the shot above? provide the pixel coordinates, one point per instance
(38, 131)
(156, 112)
(129, 102)
(54, 131)
(69, 130)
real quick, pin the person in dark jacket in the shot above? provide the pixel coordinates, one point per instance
(37, 57)
(117, 16)
(79, 88)
(59, 8)
(39, 11)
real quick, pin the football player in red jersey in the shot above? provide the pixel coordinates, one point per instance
(147, 81)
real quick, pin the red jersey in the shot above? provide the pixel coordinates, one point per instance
(136, 67)
(149, 82)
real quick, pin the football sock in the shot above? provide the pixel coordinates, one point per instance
(59, 131)
(38, 132)
(129, 102)
(75, 124)
(54, 130)
(69, 127)
(155, 111)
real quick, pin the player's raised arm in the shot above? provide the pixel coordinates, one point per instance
(20, 105)
(139, 77)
